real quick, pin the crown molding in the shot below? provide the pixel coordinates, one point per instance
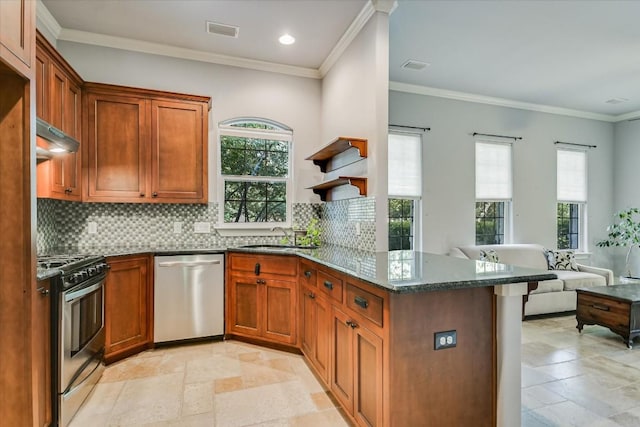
(627, 116)
(501, 102)
(183, 53)
(354, 29)
(47, 20)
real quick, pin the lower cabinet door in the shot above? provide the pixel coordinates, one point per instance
(316, 331)
(128, 302)
(243, 306)
(279, 311)
(342, 359)
(367, 394)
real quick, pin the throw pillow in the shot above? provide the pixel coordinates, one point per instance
(489, 255)
(561, 260)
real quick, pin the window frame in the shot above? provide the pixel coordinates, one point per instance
(416, 243)
(582, 205)
(414, 227)
(283, 133)
(508, 202)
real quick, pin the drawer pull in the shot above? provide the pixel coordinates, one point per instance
(600, 307)
(361, 302)
(351, 324)
(328, 284)
(256, 269)
(307, 274)
(312, 295)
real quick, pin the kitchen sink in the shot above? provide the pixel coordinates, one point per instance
(277, 247)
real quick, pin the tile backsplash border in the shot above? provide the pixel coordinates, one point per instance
(61, 224)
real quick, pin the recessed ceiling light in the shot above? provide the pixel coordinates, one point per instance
(287, 39)
(616, 100)
(412, 64)
(222, 29)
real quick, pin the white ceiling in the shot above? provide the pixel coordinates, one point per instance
(574, 54)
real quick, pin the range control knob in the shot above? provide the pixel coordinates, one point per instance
(92, 271)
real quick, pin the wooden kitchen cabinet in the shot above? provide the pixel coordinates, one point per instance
(356, 368)
(41, 339)
(315, 322)
(17, 28)
(262, 297)
(58, 102)
(145, 146)
(128, 306)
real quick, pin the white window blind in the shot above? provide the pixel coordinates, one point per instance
(405, 165)
(572, 176)
(493, 171)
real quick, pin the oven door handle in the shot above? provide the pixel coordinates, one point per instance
(82, 292)
(187, 263)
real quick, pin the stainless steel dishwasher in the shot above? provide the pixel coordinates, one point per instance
(188, 297)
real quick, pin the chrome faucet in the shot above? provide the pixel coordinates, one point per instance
(286, 236)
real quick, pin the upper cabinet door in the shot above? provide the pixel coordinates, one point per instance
(116, 149)
(42, 84)
(17, 31)
(178, 150)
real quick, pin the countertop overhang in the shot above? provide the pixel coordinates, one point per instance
(394, 271)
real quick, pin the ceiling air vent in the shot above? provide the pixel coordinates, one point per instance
(412, 64)
(616, 100)
(222, 29)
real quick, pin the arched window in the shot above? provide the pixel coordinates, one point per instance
(255, 172)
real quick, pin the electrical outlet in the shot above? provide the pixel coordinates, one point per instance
(446, 339)
(177, 227)
(93, 227)
(202, 227)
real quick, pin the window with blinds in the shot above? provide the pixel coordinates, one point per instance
(404, 188)
(572, 198)
(493, 192)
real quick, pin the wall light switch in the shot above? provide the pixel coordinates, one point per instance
(93, 227)
(177, 227)
(202, 227)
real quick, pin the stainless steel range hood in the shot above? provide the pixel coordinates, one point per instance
(59, 142)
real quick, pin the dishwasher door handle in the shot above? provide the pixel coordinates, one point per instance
(187, 263)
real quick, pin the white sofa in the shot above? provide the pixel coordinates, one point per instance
(551, 296)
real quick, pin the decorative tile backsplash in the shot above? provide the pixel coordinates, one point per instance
(67, 224)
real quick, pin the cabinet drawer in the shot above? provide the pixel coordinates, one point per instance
(365, 303)
(603, 311)
(264, 264)
(330, 285)
(308, 274)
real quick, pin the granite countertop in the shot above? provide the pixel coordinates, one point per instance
(394, 271)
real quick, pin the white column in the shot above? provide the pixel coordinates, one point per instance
(508, 337)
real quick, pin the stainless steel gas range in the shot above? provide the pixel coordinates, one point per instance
(78, 335)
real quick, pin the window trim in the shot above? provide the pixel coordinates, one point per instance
(285, 133)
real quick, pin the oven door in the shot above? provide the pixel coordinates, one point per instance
(83, 335)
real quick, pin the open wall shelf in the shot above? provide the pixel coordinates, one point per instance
(339, 145)
(323, 188)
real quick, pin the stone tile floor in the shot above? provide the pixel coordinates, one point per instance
(568, 379)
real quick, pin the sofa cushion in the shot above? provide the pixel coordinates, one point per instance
(523, 255)
(489, 255)
(554, 285)
(578, 279)
(561, 260)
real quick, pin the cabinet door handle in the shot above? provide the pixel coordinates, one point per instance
(351, 324)
(141, 194)
(361, 302)
(600, 307)
(261, 281)
(256, 269)
(154, 194)
(307, 274)
(328, 285)
(312, 295)
(43, 291)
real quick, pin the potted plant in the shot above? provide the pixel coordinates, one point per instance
(625, 233)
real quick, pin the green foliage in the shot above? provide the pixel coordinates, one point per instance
(625, 233)
(400, 224)
(313, 234)
(489, 223)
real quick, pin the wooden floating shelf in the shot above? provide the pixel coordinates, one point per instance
(323, 188)
(339, 145)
